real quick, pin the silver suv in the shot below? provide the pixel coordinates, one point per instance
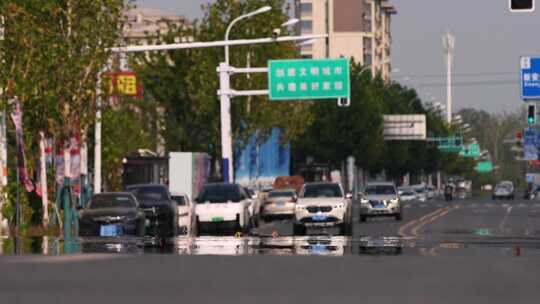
(380, 199)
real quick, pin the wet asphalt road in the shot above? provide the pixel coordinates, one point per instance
(466, 251)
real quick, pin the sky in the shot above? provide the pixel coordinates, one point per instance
(489, 43)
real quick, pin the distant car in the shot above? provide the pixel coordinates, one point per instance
(279, 203)
(111, 215)
(407, 194)
(421, 192)
(159, 208)
(323, 204)
(185, 210)
(504, 190)
(380, 199)
(431, 193)
(223, 207)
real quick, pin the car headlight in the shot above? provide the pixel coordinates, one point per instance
(340, 206)
(364, 201)
(394, 201)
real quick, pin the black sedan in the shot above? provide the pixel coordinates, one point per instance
(111, 215)
(159, 208)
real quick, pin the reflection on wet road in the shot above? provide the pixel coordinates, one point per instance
(460, 228)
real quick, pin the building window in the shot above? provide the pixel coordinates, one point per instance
(306, 9)
(306, 26)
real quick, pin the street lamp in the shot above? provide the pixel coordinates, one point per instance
(225, 102)
(261, 10)
(368, 67)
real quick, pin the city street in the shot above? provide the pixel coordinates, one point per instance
(441, 252)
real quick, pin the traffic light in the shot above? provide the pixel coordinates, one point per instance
(521, 5)
(531, 115)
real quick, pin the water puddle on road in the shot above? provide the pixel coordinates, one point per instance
(322, 245)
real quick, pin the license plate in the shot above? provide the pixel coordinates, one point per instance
(319, 217)
(280, 204)
(109, 230)
(217, 219)
(380, 206)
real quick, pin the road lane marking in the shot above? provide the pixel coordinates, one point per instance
(417, 224)
(537, 205)
(505, 205)
(423, 206)
(440, 205)
(423, 223)
(407, 206)
(522, 205)
(490, 205)
(505, 219)
(474, 205)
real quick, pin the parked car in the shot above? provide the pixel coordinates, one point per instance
(504, 190)
(279, 203)
(380, 199)
(111, 215)
(323, 204)
(223, 208)
(185, 210)
(159, 208)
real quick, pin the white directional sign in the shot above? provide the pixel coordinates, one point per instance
(405, 127)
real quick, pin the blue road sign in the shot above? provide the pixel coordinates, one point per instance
(530, 144)
(530, 78)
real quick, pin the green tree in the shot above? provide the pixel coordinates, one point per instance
(185, 82)
(52, 53)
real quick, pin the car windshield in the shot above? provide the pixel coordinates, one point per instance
(220, 194)
(281, 194)
(150, 193)
(419, 190)
(330, 190)
(504, 187)
(179, 199)
(103, 201)
(380, 190)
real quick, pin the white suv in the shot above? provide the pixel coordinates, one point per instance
(380, 199)
(323, 204)
(223, 207)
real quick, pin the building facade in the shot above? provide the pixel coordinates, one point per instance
(357, 29)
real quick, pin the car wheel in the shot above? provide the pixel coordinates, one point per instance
(494, 198)
(299, 229)
(141, 227)
(399, 217)
(363, 218)
(345, 229)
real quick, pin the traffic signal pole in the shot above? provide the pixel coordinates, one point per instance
(225, 92)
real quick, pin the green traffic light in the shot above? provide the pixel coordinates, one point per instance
(531, 120)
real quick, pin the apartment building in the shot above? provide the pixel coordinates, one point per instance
(357, 29)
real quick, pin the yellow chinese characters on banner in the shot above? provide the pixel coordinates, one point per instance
(123, 83)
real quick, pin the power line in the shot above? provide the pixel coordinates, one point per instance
(469, 83)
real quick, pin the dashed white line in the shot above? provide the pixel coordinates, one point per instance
(490, 205)
(522, 205)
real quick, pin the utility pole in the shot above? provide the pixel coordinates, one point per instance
(449, 42)
(3, 140)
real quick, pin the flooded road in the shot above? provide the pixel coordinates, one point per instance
(459, 228)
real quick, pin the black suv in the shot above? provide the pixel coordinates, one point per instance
(159, 208)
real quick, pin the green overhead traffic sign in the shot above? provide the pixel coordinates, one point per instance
(450, 144)
(484, 167)
(309, 79)
(472, 150)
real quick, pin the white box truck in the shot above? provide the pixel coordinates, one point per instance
(188, 172)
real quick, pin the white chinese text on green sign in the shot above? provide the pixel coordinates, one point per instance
(308, 79)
